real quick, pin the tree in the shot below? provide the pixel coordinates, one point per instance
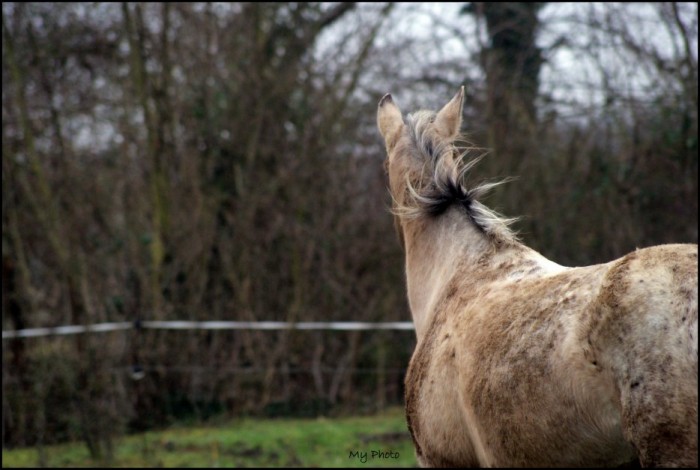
(511, 61)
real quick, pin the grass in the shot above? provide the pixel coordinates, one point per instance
(371, 441)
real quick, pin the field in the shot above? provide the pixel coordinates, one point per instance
(373, 441)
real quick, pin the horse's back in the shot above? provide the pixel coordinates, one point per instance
(645, 328)
(566, 369)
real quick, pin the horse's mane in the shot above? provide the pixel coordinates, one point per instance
(447, 161)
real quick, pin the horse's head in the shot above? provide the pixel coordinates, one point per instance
(415, 147)
(426, 169)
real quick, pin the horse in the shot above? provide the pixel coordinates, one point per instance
(520, 361)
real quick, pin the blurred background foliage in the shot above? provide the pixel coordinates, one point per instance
(208, 161)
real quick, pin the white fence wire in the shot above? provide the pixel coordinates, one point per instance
(203, 325)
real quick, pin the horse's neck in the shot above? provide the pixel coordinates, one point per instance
(436, 250)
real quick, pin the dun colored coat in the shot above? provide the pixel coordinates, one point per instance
(521, 361)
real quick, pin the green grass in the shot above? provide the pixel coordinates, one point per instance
(321, 442)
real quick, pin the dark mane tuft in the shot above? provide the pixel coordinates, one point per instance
(451, 193)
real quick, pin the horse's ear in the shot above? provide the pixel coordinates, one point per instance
(389, 119)
(449, 119)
